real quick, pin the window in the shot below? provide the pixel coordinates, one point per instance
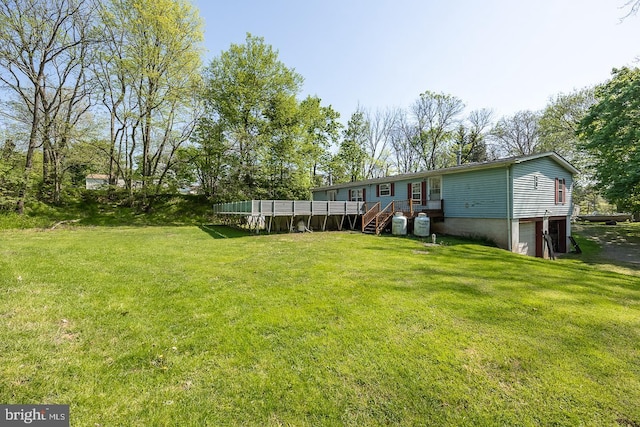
(416, 192)
(535, 182)
(561, 191)
(434, 188)
(332, 195)
(356, 195)
(385, 189)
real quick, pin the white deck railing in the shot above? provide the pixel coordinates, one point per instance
(267, 208)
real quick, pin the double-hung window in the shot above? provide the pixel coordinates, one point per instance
(561, 191)
(434, 188)
(416, 192)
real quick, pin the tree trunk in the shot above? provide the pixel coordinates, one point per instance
(35, 122)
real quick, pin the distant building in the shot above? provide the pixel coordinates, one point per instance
(97, 181)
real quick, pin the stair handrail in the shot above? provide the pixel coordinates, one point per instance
(370, 215)
(382, 218)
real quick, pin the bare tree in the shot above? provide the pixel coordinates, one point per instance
(405, 157)
(632, 7)
(517, 135)
(114, 84)
(379, 142)
(435, 117)
(471, 136)
(38, 56)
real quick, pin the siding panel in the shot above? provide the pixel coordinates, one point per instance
(475, 194)
(531, 201)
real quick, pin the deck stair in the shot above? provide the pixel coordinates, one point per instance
(375, 219)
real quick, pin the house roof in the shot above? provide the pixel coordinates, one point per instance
(97, 176)
(458, 169)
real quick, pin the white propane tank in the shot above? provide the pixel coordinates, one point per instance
(399, 224)
(422, 225)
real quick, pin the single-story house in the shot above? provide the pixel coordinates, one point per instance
(523, 203)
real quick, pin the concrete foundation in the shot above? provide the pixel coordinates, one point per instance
(491, 229)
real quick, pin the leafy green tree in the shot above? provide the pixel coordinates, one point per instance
(321, 130)
(211, 160)
(272, 143)
(352, 154)
(611, 133)
(559, 122)
(241, 86)
(11, 175)
(281, 150)
(149, 71)
(558, 127)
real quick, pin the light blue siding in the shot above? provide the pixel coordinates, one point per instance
(400, 192)
(320, 195)
(475, 194)
(531, 201)
(517, 189)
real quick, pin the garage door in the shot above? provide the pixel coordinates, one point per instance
(527, 244)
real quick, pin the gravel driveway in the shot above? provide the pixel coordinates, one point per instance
(619, 242)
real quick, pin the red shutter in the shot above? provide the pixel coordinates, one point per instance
(424, 193)
(557, 187)
(377, 190)
(364, 194)
(409, 192)
(564, 191)
(349, 197)
(393, 189)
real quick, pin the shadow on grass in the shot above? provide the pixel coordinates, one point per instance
(222, 231)
(444, 240)
(609, 246)
(174, 212)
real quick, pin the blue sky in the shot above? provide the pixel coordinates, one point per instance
(506, 55)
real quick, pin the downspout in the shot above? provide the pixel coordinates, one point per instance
(509, 231)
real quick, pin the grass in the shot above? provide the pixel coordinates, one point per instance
(96, 209)
(613, 248)
(165, 326)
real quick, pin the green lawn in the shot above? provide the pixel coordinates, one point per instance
(179, 326)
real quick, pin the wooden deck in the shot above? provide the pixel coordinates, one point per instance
(288, 215)
(278, 214)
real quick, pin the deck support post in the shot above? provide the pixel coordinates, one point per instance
(352, 223)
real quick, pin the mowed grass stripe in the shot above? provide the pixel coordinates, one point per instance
(173, 326)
